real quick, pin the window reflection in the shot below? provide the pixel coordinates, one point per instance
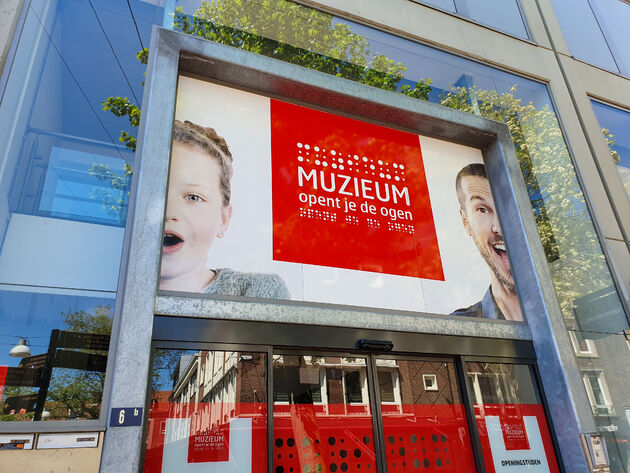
(424, 420)
(504, 15)
(596, 31)
(322, 418)
(615, 124)
(207, 406)
(510, 418)
(61, 374)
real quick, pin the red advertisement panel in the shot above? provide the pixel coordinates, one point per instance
(194, 437)
(427, 436)
(3, 377)
(515, 435)
(339, 438)
(350, 194)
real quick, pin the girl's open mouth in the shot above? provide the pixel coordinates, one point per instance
(171, 242)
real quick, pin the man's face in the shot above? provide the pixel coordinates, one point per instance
(482, 224)
(195, 214)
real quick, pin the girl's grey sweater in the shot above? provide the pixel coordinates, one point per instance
(235, 283)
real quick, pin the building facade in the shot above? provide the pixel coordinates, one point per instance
(128, 367)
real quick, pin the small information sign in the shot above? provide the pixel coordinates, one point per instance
(125, 417)
(597, 453)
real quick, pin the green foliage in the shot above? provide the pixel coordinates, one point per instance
(116, 194)
(121, 107)
(143, 56)
(611, 142)
(571, 245)
(292, 33)
(98, 321)
(74, 391)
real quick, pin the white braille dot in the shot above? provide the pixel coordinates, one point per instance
(381, 175)
(325, 164)
(365, 160)
(334, 165)
(340, 160)
(402, 167)
(349, 163)
(397, 178)
(341, 167)
(316, 148)
(317, 161)
(300, 158)
(380, 162)
(372, 166)
(333, 152)
(307, 147)
(389, 177)
(300, 145)
(395, 165)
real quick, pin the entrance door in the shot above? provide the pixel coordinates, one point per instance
(330, 412)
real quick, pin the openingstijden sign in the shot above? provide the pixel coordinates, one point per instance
(350, 194)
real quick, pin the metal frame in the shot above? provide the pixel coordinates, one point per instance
(174, 53)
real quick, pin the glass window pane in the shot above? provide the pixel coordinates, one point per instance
(510, 418)
(425, 422)
(448, 5)
(503, 15)
(207, 408)
(617, 122)
(614, 17)
(324, 422)
(53, 354)
(583, 34)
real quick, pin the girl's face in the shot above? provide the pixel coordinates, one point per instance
(195, 216)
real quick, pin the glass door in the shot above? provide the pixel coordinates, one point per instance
(424, 420)
(322, 419)
(207, 412)
(510, 418)
(266, 410)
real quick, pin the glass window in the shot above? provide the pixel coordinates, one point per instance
(597, 390)
(219, 422)
(615, 125)
(510, 418)
(614, 18)
(64, 188)
(333, 435)
(53, 347)
(448, 5)
(504, 15)
(425, 428)
(596, 31)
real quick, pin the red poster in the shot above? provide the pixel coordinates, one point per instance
(183, 437)
(514, 435)
(350, 194)
(209, 445)
(3, 377)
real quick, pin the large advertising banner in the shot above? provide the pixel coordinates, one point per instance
(269, 199)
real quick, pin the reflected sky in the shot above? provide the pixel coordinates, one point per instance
(33, 315)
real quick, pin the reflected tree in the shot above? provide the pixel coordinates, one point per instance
(564, 224)
(77, 393)
(304, 36)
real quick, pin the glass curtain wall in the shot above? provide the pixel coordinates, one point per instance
(63, 201)
(503, 15)
(582, 279)
(597, 32)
